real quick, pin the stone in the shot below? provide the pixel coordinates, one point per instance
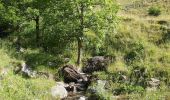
(82, 98)
(97, 63)
(70, 74)
(26, 70)
(59, 91)
(154, 82)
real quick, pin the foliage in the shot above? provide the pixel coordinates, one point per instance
(154, 11)
(128, 89)
(101, 75)
(137, 46)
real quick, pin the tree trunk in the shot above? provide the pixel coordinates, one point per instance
(37, 31)
(79, 51)
(80, 38)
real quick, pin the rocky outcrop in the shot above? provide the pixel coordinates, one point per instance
(98, 63)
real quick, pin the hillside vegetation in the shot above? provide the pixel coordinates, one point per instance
(136, 40)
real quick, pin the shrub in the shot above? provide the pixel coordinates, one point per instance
(101, 75)
(154, 11)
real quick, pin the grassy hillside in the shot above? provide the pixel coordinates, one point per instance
(142, 36)
(15, 87)
(141, 42)
(140, 7)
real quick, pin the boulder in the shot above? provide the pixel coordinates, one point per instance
(70, 74)
(59, 91)
(98, 63)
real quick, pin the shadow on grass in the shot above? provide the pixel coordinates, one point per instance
(36, 59)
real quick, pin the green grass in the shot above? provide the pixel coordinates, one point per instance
(141, 41)
(4, 58)
(14, 87)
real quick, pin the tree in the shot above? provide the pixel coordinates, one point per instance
(27, 11)
(34, 9)
(76, 17)
(8, 18)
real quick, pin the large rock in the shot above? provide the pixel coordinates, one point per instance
(98, 63)
(70, 74)
(59, 91)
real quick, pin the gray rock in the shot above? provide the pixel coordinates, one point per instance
(27, 71)
(59, 91)
(98, 63)
(154, 82)
(82, 98)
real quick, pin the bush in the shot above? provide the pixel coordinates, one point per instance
(154, 11)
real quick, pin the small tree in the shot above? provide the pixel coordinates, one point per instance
(70, 20)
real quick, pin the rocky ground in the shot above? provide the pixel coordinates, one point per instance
(82, 84)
